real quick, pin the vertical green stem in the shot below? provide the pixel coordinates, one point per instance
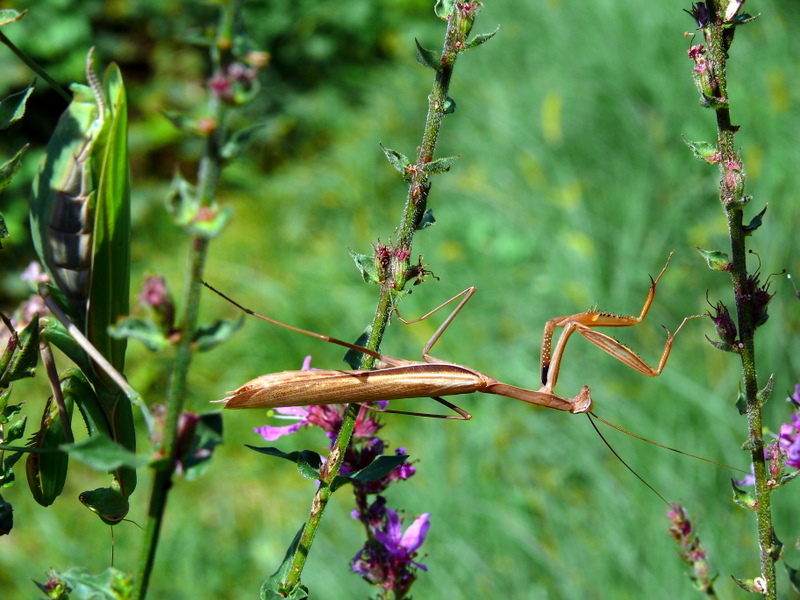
(733, 200)
(458, 25)
(209, 172)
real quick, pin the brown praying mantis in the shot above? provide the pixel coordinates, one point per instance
(396, 378)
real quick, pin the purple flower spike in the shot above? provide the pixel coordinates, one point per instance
(387, 560)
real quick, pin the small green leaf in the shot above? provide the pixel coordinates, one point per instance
(208, 336)
(21, 354)
(787, 478)
(308, 462)
(8, 411)
(444, 8)
(755, 222)
(764, 393)
(273, 588)
(724, 346)
(182, 123)
(9, 15)
(479, 39)
(380, 467)
(366, 265)
(12, 107)
(78, 582)
(7, 171)
(716, 259)
(440, 165)
(794, 577)
(16, 431)
(143, 331)
(741, 401)
(182, 201)
(743, 498)
(428, 58)
(239, 142)
(354, 358)
(397, 160)
(427, 220)
(704, 151)
(102, 453)
(47, 472)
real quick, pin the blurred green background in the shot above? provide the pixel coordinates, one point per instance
(572, 187)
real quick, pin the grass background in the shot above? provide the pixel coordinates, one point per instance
(573, 185)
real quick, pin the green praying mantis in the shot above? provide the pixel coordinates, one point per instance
(396, 378)
(80, 221)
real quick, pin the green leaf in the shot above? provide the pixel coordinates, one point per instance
(21, 355)
(764, 393)
(428, 58)
(378, 468)
(7, 171)
(743, 498)
(479, 39)
(308, 462)
(440, 165)
(366, 265)
(12, 107)
(716, 259)
(754, 223)
(444, 8)
(79, 583)
(704, 151)
(102, 453)
(9, 15)
(741, 401)
(111, 263)
(794, 577)
(239, 142)
(47, 472)
(16, 431)
(143, 331)
(208, 336)
(273, 588)
(397, 160)
(354, 358)
(427, 220)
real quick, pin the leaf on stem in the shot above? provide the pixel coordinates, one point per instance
(308, 462)
(428, 58)
(716, 259)
(479, 39)
(440, 165)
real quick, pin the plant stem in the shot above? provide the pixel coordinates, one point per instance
(414, 210)
(209, 171)
(732, 181)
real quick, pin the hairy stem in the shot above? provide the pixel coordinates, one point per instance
(209, 170)
(458, 26)
(732, 182)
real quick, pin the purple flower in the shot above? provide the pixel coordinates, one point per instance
(387, 559)
(789, 441)
(299, 413)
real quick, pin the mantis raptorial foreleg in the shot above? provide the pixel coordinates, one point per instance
(585, 322)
